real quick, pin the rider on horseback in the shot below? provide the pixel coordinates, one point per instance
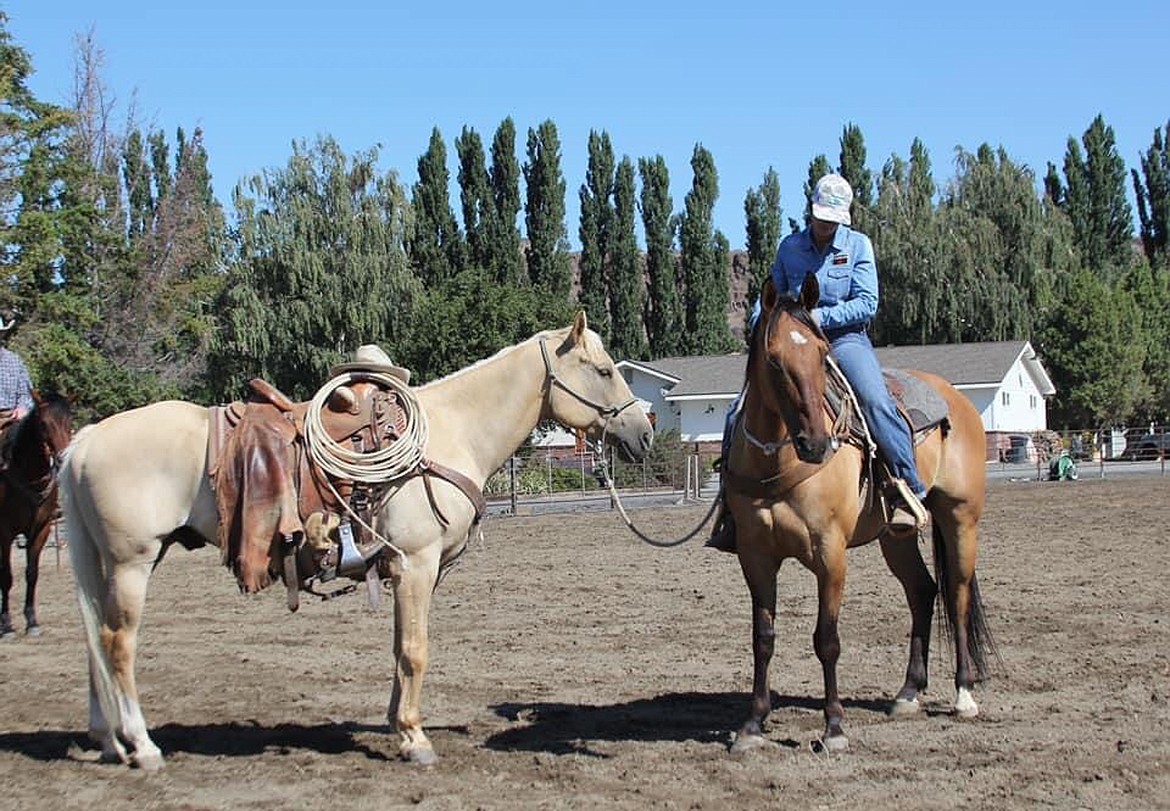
(15, 384)
(843, 261)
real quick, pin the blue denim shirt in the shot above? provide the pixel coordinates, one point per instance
(846, 271)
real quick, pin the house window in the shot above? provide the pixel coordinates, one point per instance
(1005, 398)
(1032, 401)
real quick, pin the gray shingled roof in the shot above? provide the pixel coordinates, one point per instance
(961, 364)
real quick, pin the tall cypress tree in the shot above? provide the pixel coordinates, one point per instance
(504, 237)
(436, 246)
(704, 262)
(544, 215)
(664, 319)
(762, 210)
(475, 196)
(1152, 189)
(852, 167)
(628, 288)
(595, 231)
(1095, 199)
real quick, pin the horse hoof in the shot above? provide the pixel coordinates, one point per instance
(148, 762)
(904, 708)
(7, 633)
(33, 630)
(832, 744)
(965, 706)
(420, 756)
(747, 742)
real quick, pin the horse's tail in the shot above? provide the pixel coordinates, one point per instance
(90, 583)
(980, 644)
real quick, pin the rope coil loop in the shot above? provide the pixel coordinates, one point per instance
(401, 457)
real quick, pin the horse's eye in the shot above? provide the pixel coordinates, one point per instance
(605, 371)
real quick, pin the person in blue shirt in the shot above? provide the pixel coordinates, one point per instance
(843, 261)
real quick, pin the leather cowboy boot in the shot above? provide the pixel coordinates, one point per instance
(907, 513)
(723, 533)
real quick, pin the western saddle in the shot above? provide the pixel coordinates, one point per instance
(280, 514)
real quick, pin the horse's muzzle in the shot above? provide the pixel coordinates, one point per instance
(814, 451)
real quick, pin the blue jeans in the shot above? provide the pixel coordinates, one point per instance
(854, 354)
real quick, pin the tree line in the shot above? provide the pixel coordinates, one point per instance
(134, 284)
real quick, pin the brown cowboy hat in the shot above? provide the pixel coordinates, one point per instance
(371, 358)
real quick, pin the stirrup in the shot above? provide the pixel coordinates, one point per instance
(910, 503)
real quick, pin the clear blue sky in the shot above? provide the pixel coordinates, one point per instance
(758, 83)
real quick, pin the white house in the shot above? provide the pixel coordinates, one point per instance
(1005, 380)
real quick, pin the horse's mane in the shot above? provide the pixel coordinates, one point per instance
(551, 334)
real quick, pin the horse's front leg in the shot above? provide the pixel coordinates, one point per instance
(412, 603)
(827, 642)
(36, 546)
(760, 573)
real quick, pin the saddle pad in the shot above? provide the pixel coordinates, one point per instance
(917, 399)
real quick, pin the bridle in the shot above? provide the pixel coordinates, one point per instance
(608, 412)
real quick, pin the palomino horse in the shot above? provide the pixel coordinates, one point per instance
(138, 480)
(28, 495)
(795, 494)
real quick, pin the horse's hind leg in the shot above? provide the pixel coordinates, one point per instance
(6, 629)
(905, 561)
(955, 549)
(124, 602)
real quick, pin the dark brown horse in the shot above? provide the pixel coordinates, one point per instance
(793, 490)
(28, 495)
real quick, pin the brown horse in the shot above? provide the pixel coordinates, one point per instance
(28, 495)
(794, 492)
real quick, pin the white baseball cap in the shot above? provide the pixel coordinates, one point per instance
(831, 199)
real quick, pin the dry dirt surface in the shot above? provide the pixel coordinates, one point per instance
(574, 667)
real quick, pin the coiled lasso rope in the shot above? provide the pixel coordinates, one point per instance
(400, 458)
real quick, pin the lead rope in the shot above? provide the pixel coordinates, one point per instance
(604, 468)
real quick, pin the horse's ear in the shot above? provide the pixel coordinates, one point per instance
(580, 324)
(36, 396)
(768, 295)
(810, 292)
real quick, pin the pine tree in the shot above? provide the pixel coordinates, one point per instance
(763, 213)
(664, 319)
(32, 150)
(475, 195)
(436, 245)
(628, 336)
(595, 231)
(504, 235)
(548, 244)
(1152, 189)
(852, 168)
(1093, 350)
(704, 263)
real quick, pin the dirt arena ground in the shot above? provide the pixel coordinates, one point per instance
(574, 667)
